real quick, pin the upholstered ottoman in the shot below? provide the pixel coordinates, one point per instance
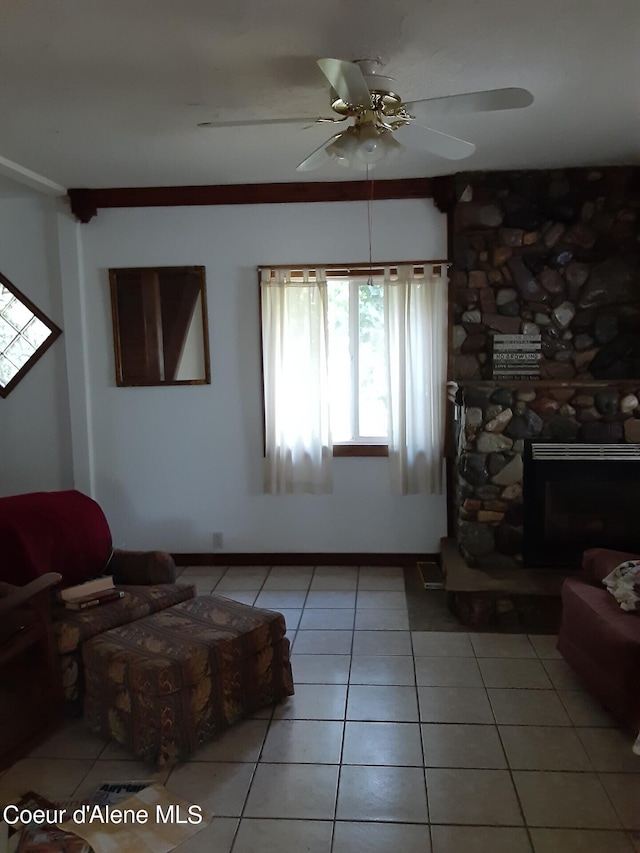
(165, 684)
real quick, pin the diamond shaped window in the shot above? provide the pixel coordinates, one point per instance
(25, 335)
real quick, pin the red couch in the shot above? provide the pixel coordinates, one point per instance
(599, 640)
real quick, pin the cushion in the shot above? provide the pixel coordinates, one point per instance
(597, 563)
(42, 532)
(74, 627)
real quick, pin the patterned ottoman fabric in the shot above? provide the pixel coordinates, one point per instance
(165, 684)
(72, 628)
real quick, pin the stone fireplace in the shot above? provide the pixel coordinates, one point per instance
(554, 254)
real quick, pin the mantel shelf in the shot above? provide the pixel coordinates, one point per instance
(547, 383)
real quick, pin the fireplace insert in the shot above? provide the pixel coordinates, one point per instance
(579, 496)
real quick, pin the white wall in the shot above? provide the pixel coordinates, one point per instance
(173, 465)
(35, 446)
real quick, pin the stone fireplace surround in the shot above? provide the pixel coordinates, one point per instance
(555, 253)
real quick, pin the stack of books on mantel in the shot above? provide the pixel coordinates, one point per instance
(91, 593)
(516, 357)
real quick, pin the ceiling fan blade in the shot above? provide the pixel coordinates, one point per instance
(347, 80)
(318, 157)
(476, 102)
(442, 144)
(258, 121)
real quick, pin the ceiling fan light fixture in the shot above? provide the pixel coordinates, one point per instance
(375, 145)
(343, 149)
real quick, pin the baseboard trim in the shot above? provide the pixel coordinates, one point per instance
(302, 559)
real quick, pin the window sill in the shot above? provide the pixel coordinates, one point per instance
(360, 450)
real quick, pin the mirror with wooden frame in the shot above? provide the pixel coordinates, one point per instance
(160, 327)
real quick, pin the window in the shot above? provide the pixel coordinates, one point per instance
(25, 335)
(353, 360)
(358, 388)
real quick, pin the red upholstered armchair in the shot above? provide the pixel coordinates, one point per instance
(601, 641)
(67, 532)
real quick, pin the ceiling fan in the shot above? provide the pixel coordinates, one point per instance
(383, 123)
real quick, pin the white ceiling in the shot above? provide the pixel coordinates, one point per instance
(104, 93)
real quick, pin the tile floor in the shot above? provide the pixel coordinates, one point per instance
(416, 742)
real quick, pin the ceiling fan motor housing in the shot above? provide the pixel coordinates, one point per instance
(381, 88)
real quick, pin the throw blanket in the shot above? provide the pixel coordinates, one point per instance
(64, 532)
(624, 584)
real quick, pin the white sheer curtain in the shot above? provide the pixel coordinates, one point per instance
(416, 334)
(299, 453)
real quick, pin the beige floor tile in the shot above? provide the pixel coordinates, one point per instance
(72, 740)
(514, 672)
(382, 669)
(322, 571)
(382, 643)
(384, 600)
(377, 581)
(454, 705)
(394, 794)
(203, 585)
(240, 743)
(314, 702)
(371, 837)
(323, 618)
(480, 839)
(472, 797)
(323, 642)
(283, 836)
(545, 646)
(327, 599)
(291, 618)
(285, 571)
(445, 644)
(562, 676)
(544, 748)
(382, 703)
(584, 710)
(114, 751)
(289, 599)
(220, 787)
(213, 572)
(217, 837)
(441, 672)
(110, 770)
(334, 584)
(396, 744)
(564, 800)
(303, 742)
(610, 750)
(244, 596)
(292, 581)
(382, 620)
(624, 791)
(304, 791)
(471, 746)
(527, 707)
(235, 579)
(53, 778)
(320, 669)
(502, 646)
(579, 841)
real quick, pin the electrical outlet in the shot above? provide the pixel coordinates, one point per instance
(217, 541)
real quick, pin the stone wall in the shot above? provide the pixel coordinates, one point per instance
(550, 253)
(495, 422)
(555, 253)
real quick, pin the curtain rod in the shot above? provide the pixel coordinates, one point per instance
(355, 270)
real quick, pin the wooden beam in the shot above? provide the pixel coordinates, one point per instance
(85, 203)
